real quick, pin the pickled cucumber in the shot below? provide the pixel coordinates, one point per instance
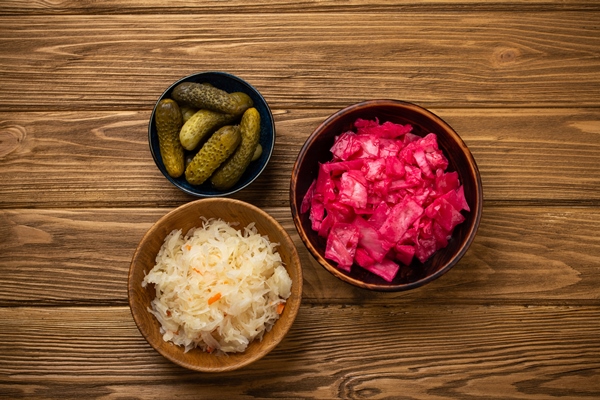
(187, 112)
(168, 120)
(230, 172)
(217, 149)
(202, 123)
(243, 101)
(257, 153)
(208, 97)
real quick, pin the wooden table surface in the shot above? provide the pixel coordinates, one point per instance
(517, 317)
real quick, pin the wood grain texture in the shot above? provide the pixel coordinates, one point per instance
(99, 159)
(521, 255)
(517, 318)
(15, 7)
(308, 60)
(444, 352)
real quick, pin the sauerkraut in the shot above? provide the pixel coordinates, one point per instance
(217, 288)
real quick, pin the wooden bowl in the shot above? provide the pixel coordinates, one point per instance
(317, 150)
(230, 83)
(186, 217)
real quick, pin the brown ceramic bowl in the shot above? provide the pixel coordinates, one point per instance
(317, 150)
(186, 217)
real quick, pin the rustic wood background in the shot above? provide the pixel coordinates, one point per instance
(518, 317)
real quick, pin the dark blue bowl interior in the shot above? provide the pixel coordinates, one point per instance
(229, 83)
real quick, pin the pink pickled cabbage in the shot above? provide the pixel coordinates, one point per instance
(384, 198)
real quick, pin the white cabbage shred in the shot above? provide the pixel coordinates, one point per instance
(217, 287)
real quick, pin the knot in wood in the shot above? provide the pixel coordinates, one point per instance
(11, 138)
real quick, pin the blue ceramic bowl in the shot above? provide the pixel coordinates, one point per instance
(230, 83)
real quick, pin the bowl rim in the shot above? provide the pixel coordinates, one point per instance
(342, 275)
(136, 307)
(268, 151)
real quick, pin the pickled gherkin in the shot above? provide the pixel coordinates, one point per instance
(230, 172)
(187, 112)
(217, 149)
(203, 96)
(201, 124)
(257, 152)
(168, 120)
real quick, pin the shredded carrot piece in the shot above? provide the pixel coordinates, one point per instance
(197, 270)
(188, 247)
(214, 298)
(168, 313)
(280, 308)
(209, 349)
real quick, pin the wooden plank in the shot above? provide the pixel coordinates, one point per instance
(99, 159)
(521, 255)
(12, 7)
(124, 62)
(440, 352)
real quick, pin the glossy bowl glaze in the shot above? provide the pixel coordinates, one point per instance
(229, 83)
(186, 217)
(317, 150)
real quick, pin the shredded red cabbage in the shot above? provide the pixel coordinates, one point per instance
(384, 198)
